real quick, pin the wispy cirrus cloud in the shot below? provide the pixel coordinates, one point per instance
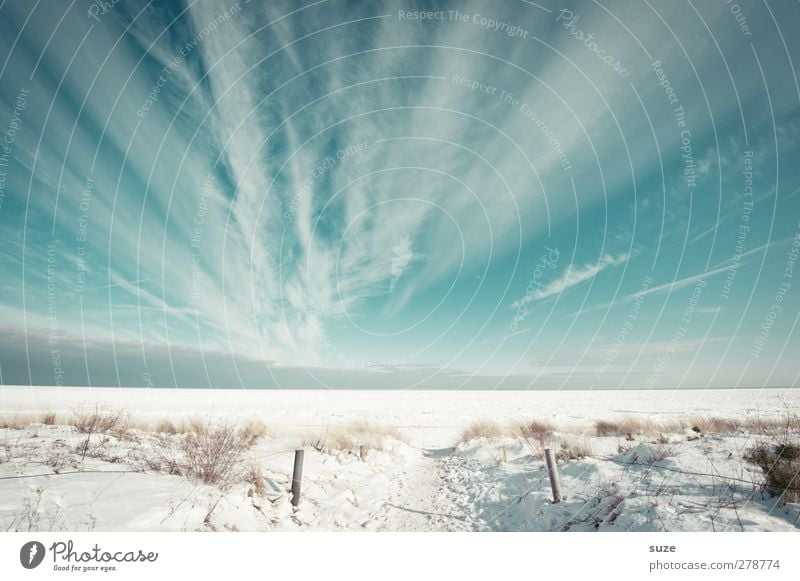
(330, 133)
(572, 276)
(733, 263)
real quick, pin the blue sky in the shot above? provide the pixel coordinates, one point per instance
(398, 194)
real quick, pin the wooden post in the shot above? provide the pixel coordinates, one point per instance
(552, 470)
(297, 476)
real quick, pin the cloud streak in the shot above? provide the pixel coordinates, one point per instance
(572, 276)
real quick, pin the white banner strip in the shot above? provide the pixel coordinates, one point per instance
(406, 556)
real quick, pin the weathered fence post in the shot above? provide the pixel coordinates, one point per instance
(297, 476)
(552, 471)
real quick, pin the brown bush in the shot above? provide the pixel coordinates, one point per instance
(538, 431)
(98, 420)
(780, 463)
(212, 454)
(778, 456)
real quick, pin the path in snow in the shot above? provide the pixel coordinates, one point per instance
(433, 495)
(445, 491)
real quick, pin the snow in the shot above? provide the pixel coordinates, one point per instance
(428, 482)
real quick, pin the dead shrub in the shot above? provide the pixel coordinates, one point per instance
(49, 419)
(205, 453)
(100, 448)
(538, 431)
(780, 463)
(212, 454)
(164, 457)
(778, 456)
(60, 456)
(98, 420)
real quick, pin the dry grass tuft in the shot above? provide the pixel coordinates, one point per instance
(605, 428)
(662, 439)
(714, 425)
(788, 424)
(661, 452)
(17, 421)
(358, 437)
(20, 421)
(700, 425)
(482, 429)
(627, 427)
(751, 425)
(173, 427)
(254, 429)
(576, 449)
(165, 426)
(631, 426)
(254, 477)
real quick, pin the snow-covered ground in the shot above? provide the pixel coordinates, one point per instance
(425, 481)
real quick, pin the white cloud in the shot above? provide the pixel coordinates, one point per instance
(572, 276)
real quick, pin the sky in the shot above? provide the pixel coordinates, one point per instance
(331, 194)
